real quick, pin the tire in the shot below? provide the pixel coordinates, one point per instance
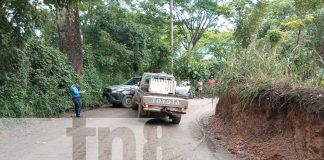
(135, 106)
(127, 101)
(140, 112)
(176, 119)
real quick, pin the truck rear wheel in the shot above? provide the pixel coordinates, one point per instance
(140, 112)
(176, 119)
(135, 105)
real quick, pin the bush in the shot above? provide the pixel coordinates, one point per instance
(91, 82)
(37, 83)
(48, 80)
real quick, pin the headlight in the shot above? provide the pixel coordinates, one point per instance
(120, 90)
(114, 91)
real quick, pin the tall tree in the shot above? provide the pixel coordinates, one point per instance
(248, 17)
(314, 7)
(133, 41)
(194, 17)
(17, 22)
(68, 25)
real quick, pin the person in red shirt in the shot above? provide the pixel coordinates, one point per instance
(211, 83)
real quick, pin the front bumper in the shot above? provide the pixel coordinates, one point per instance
(115, 98)
(166, 110)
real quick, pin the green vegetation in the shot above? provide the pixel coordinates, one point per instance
(271, 43)
(283, 50)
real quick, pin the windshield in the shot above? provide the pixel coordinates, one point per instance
(133, 81)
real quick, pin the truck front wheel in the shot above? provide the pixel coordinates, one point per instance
(176, 119)
(127, 101)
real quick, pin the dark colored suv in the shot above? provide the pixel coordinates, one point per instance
(122, 94)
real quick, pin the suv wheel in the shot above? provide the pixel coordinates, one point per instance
(127, 101)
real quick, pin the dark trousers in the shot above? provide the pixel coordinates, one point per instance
(77, 105)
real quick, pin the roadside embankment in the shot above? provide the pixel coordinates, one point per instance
(279, 122)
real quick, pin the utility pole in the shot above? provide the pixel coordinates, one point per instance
(171, 34)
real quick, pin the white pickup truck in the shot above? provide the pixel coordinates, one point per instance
(156, 96)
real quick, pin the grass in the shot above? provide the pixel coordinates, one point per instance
(257, 76)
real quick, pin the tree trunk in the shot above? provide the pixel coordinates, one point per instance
(291, 61)
(171, 34)
(68, 23)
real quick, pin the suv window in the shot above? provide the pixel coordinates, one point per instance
(133, 81)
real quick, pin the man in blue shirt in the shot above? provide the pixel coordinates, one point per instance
(76, 98)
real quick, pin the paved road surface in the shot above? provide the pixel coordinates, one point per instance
(111, 133)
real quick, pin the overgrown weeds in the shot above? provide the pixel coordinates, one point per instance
(257, 76)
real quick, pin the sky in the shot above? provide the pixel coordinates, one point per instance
(224, 24)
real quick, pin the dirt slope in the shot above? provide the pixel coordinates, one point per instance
(263, 132)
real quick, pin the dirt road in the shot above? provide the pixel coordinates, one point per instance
(112, 133)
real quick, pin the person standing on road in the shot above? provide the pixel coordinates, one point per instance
(76, 98)
(211, 83)
(200, 88)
